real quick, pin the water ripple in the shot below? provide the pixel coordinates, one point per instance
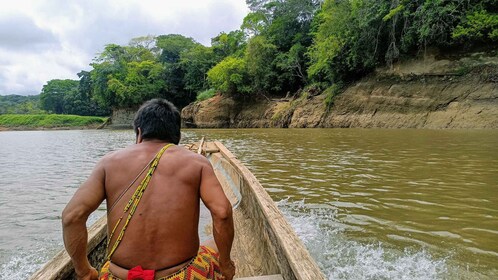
(378, 204)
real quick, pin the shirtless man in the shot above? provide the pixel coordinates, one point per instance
(162, 235)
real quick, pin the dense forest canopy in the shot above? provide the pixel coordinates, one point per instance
(352, 37)
(282, 46)
(18, 104)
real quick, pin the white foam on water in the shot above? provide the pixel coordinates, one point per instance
(24, 264)
(19, 267)
(28, 260)
(340, 257)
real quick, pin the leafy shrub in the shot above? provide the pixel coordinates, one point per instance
(330, 94)
(479, 25)
(201, 96)
(230, 76)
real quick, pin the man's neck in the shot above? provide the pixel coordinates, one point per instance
(154, 141)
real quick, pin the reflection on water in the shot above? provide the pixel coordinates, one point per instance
(369, 204)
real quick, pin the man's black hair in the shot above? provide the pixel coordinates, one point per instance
(158, 119)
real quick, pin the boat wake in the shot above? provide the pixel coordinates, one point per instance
(340, 257)
(22, 265)
(29, 258)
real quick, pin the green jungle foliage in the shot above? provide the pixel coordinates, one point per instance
(281, 47)
(49, 121)
(230, 76)
(353, 37)
(18, 104)
(69, 97)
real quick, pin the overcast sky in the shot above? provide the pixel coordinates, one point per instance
(41, 40)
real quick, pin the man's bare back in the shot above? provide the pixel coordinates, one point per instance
(163, 231)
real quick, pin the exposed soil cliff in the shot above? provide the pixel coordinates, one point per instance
(450, 92)
(122, 118)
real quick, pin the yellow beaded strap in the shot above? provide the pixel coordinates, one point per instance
(133, 203)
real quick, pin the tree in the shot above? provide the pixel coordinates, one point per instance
(83, 103)
(144, 80)
(254, 23)
(125, 76)
(350, 41)
(145, 45)
(283, 45)
(110, 64)
(195, 64)
(283, 23)
(54, 92)
(172, 47)
(85, 86)
(291, 23)
(226, 44)
(293, 65)
(286, 25)
(67, 97)
(260, 60)
(230, 76)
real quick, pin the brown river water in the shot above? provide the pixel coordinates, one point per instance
(368, 204)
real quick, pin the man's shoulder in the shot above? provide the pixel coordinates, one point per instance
(191, 156)
(116, 155)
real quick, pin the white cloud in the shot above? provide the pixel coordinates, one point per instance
(25, 73)
(42, 40)
(19, 32)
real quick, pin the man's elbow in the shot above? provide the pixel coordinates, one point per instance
(72, 216)
(224, 213)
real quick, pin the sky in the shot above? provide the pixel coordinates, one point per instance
(41, 40)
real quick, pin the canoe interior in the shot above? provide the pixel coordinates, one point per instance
(264, 244)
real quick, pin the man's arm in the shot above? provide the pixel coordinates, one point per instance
(221, 211)
(86, 199)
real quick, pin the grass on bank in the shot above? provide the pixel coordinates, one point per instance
(49, 121)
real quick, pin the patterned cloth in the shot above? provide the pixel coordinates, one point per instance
(204, 266)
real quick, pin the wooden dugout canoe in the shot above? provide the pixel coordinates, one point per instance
(265, 245)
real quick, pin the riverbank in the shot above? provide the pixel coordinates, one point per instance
(49, 122)
(433, 92)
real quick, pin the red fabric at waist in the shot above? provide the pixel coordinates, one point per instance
(137, 273)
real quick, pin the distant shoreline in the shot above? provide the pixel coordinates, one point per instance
(50, 122)
(23, 128)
